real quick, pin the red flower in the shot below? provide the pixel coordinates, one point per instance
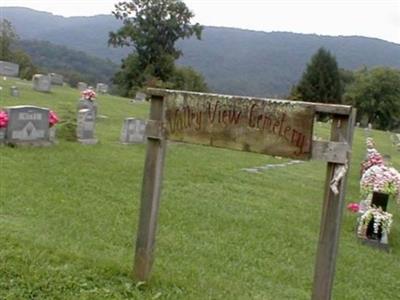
(353, 207)
(3, 119)
(53, 118)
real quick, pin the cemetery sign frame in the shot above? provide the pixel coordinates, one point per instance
(268, 126)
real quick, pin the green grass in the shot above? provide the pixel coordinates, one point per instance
(68, 219)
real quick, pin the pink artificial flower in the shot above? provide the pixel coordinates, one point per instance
(3, 119)
(88, 94)
(53, 118)
(353, 207)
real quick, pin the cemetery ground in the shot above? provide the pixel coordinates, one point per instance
(69, 214)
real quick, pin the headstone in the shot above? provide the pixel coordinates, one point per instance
(102, 88)
(56, 79)
(369, 126)
(358, 124)
(41, 83)
(88, 104)
(133, 131)
(28, 125)
(82, 86)
(140, 96)
(14, 91)
(86, 126)
(9, 69)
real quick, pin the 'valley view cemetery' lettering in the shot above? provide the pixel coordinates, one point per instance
(273, 127)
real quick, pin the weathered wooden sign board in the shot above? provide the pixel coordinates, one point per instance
(271, 127)
(274, 127)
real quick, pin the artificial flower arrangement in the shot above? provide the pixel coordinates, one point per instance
(381, 220)
(53, 118)
(3, 119)
(89, 94)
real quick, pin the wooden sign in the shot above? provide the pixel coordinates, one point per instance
(274, 127)
(277, 127)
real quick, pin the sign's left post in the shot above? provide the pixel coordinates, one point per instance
(151, 193)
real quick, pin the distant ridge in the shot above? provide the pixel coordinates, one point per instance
(233, 61)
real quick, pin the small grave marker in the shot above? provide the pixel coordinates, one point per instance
(140, 96)
(14, 91)
(41, 83)
(86, 126)
(133, 131)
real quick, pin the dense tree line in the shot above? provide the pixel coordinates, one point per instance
(374, 92)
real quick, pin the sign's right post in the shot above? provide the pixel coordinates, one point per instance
(341, 131)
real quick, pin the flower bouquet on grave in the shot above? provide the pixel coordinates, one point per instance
(88, 94)
(374, 224)
(3, 119)
(374, 158)
(380, 178)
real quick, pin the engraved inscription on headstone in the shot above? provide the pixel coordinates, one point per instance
(133, 131)
(14, 91)
(9, 69)
(28, 125)
(41, 83)
(86, 126)
(82, 86)
(56, 79)
(88, 104)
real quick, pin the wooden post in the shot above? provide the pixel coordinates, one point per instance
(341, 131)
(150, 197)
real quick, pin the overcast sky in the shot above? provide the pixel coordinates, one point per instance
(371, 18)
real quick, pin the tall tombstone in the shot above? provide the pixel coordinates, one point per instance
(9, 69)
(133, 131)
(82, 86)
(28, 125)
(88, 104)
(41, 83)
(102, 88)
(86, 126)
(56, 79)
(14, 91)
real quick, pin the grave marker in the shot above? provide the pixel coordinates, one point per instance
(9, 69)
(82, 86)
(133, 131)
(14, 91)
(56, 79)
(41, 83)
(102, 88)
(86, 126)
(28, 125)
(221, 121)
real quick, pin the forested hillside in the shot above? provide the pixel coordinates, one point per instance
(74, 65)
(233, 61)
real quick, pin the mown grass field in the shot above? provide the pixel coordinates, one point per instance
(68, 219)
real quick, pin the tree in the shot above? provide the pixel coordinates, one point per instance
(152, 28)
(321, 81)
(376, 95)
(8, 39)
(186, 78)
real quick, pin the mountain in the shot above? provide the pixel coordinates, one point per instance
(233, 61)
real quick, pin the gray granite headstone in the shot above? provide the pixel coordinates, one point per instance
(41, 83)
(82, 86)
(9, 69)
(86, 126)
(133, 131)
(87, 104)
(140, 96)
(102, 88)
(14, 91)
(28, 125)
(56, 79)
(2, 135)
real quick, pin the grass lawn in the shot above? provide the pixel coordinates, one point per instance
(68, 219)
